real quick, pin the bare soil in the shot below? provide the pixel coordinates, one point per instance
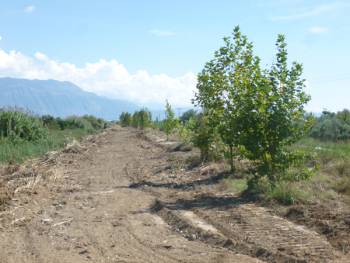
(121, 196)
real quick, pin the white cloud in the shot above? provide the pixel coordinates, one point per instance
(29, 9)
(0, 38)
(316, 11)
(162, 33)
(318, 30)
(104, 77)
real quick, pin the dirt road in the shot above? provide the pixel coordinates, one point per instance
(118, 197)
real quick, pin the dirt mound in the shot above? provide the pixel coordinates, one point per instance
(74, 147)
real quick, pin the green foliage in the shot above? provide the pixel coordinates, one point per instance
(50, 122)
(257, 112)
(187, 115)
(332, 126)
(141, 119)
(170, 122)
(184, 132)
(16, 152)
(157, 124)
(286, 193)
(203, 136)
(74, 122)
(17, 125)
(96, 123)
(24, 135)
(86, 122)
(125, 119)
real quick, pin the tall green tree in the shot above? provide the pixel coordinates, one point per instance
(225, 85)
(257, 112)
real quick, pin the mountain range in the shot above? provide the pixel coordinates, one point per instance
(59, 98)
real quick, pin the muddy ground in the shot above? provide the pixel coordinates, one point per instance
(121, 196)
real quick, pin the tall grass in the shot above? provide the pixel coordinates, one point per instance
(330, 181)
(17, 152)
(19, 125)
(23, 135)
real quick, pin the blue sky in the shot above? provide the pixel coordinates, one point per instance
(148, 51)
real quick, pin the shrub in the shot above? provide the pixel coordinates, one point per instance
(96, 123)
(74, 122)
(88, 123)
(50, 122)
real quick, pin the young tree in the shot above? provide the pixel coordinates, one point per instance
(202, 135)
(256, 111)
(280, 115)
(170, 121)
(224, 85)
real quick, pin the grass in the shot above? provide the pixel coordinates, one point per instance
(17, 152)
(326, 150)
(236, 185)
(288, 194)
(331, 180)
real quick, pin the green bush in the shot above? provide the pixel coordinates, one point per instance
(74, 122)
(50, 122)
(86, 122)
(96, 123)
(18, 125)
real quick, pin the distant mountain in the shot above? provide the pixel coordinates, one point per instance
(59, 99)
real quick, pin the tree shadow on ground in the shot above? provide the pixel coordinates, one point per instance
(203, 202)
(183, 186)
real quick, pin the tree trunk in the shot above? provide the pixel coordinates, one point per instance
(232, 165)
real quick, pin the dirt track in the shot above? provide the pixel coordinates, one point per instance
(116, 198)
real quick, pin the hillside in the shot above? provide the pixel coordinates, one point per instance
(58, 98)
